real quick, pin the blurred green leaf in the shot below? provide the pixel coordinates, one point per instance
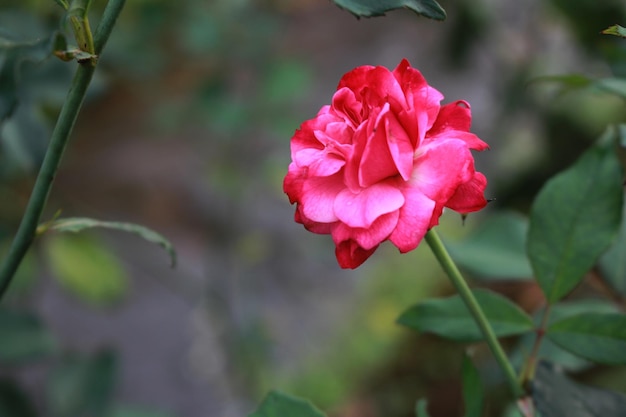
(134, 411)
(86, 268)
(77, 224)
(23, 336)
(616, 30)
(473, 393)
(371, 8)
(278, 404)
(613, 262)
(81, 385)
(496, 249)
(284, 81)
(450, 318)
(566, 80)
(15, 52)
(555, 395)
(421, 408)
(574, 219)
(615, 86)
(13, 401)
(600, 337)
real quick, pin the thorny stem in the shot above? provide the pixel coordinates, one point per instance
(58, 142)
(470, 301)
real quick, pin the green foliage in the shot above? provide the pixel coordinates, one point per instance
(81, 385)
(77, 224)
(600, 337)
(574, 219)
(473, 394)
(450, 318)
(24, 337)
(421, 408)
(553, 352)
(371, 8)
(616, 30)
(555, 395)
(496, 250)
(278, 404)
(30, 85)
(14, 53)
(87, 268)
(613, 262)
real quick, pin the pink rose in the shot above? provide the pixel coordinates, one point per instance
(382, 161)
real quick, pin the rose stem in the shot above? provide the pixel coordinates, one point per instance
(58, 141)
(468, 298)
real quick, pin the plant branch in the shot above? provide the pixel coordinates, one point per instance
(468, 298)
(65, 123)
(531, 362)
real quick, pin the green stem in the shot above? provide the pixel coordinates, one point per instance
(466, 294)
(58, 142)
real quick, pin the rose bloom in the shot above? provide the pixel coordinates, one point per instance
(382, 161)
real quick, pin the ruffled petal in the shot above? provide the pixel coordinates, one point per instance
(469, 196)
(453, 122)
(350, 255)
(318, 198)
(369, 237)
(414, 220)
(377, 162)
(346, 105)
(362, 209)
(440, 167)
(311, 226)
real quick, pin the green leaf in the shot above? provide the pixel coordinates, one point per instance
(613, 262)
(371, 8)
(615, 86)
(450, 318)
(473, 394)
(549, 350)
(421, 408)
(86, 268)
(13, 53)
(555, 395)
(23, 337)
(82, 385)
(566, 80)
(574, 219)
(496, 249)
(77, 224)
(599, 337)
(278, 404)
(62, 3)
(616, 30)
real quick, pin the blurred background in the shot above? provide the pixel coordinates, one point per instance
(186, 130)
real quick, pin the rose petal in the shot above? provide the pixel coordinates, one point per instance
(377, 163)
(350, 255)
(414, 220)
(347, 106)
(318, 197)
(469, 196)
(311, 226)
(440, 167)
(369, 237)
(361, 209)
